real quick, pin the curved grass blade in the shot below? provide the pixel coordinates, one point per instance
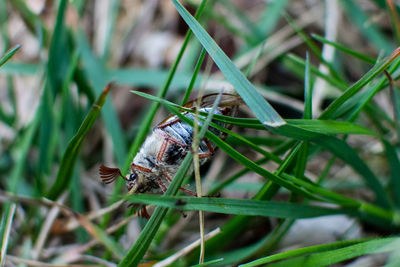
(68, 160)
(345, 49)
(247, 207)
(351, 91)
(261, 108)
(343, 151)
(9, 54)
(331, 257)
(303, 251)
(330, 127)
(361, 20)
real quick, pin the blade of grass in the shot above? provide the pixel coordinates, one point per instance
(255, 32)
(351, 91)
(328, 127)
(20, 153)
(394, 163)
(345, 49)
(22, 69)
(271, 15)
(70, 155)
(194, 76)
(32, 20)
(331, 80)
(97, 75)
(263, 110)
(9, 54)
(303, 251)
(210, 262)
(366, 26)
(247, 207)
(343, 151)
(9, 119)
(5, 229)
(265, 244)
(314, 48)
(341, 254)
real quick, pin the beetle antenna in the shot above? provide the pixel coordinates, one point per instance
(108, 175)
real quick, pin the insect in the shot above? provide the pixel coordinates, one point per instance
(166, 146)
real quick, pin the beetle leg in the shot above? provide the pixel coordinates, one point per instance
(141, 210)
(138, 167)
(165, 124)
(162, 150)
(161, 185)
(167, 140)
(187, 191)
(210, 152)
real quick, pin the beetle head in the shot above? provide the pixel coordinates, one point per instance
(131, 180)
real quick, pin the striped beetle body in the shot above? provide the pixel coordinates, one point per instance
(164, 149)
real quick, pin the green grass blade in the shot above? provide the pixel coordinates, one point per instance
(329, 79)
(368, 29)
(341, 254)
(9, 54)
(394, 163)
(271, 15)
(199, 63)
(20, 153)
(247, 207)
(345, 49)
(139, 77)
(71, 153)
(351, 91)
(307, 90)
(97, 75)
(302, 251)
(343, 151)
(59, 51)
(31, 19)
(263, 110)
(330, 127)
(22, 69)
(211, 262)
(313, 46)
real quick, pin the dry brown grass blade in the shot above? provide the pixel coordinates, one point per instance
(43, 264)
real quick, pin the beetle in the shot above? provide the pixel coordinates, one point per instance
(164, 149)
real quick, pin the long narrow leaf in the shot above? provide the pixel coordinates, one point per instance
(263, 110)
(68, 160)
(376, 70)
(303, 251)
(238, 206)
(341, 254)
(9, 54)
